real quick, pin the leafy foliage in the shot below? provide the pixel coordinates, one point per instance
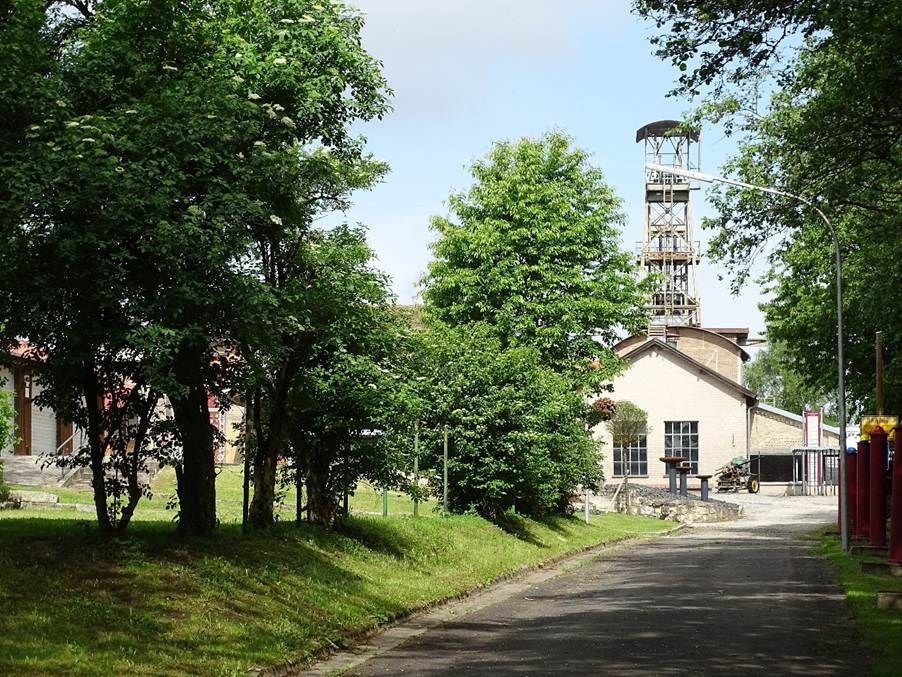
(164, 172)
(831, 132)
(723, 43)
(528, 292)
(517, 429)
(775, 380)
(343, 401)
(531, 249)
(628, 423)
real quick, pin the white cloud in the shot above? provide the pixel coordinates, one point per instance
(439, 54)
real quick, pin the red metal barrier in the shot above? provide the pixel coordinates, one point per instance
(877, 497)
(861, 495)
(895, 530)
(851, 490)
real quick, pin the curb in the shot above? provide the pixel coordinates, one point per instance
(375, 641)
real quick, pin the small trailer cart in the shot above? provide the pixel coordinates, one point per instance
(736, 476)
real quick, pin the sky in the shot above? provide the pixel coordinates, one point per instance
(466, 73)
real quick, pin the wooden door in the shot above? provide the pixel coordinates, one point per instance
(64, 431)
(22, 403)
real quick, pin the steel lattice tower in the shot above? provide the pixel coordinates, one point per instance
(667, 248)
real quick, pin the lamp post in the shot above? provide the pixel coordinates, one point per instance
(840, 371)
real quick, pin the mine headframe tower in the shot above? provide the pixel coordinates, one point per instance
(667, 248)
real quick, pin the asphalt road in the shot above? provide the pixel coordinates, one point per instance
(737, 599)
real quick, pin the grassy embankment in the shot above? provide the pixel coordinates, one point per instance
(881, 629)
(157, 605)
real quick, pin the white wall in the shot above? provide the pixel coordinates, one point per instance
(43, 426)
(670, 390)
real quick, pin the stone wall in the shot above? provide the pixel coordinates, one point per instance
(635, 499)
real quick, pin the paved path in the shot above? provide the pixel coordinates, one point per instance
(736, 599)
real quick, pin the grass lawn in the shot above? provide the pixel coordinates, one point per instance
(157, 605)
(229, 492)
(880, 629)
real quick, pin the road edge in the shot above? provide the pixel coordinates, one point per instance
(386, 637)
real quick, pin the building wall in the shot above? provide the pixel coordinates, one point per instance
(234, 422)
(713, 354)
(670, 390)
(43, 420)
(775, 434)
(718, 353)
(43, 427)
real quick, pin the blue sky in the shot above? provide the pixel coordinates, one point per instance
(468, 72)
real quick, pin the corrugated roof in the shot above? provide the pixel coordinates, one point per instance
(794, 417)
(665, 128)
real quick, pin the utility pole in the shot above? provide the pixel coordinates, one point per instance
(840, 360)
(246, 480)
(445, 475)
(879, 349)
(416, 467)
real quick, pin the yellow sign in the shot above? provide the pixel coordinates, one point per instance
(868, 423)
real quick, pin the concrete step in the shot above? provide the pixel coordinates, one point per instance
(27, 470)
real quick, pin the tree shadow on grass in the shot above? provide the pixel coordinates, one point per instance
(380, 535)
(154, 603)
(518, 527)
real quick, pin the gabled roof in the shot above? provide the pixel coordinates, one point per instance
(660, 345)
(719, 337)
(711, 335)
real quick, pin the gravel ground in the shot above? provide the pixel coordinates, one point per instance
(738, 598)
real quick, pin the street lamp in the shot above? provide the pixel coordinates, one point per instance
(840, 371)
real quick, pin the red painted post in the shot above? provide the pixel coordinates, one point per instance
(861, 513)
(877, 497)
(851, 490)
(895, 530)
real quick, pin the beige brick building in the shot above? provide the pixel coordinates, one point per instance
(688, 380)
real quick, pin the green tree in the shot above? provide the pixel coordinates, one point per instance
(831, 132)
(6, 430)
(773, 377)
(628, 423)
(531, 249)
(172, 163)
(330, 374)
(518, 430)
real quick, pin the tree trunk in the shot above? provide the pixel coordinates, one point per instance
(197, 488)
(322, 505)
(299, 445)
(270, 443)
(134, 465)
(96, 444)
(261, 511)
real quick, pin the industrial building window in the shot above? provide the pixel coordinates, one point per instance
(632, 460)
(681, 439)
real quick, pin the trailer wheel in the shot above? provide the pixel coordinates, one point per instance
(753, 485)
